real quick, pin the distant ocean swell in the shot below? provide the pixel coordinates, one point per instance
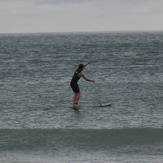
(122, 140)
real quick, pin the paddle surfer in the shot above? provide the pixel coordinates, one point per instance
(74, 83)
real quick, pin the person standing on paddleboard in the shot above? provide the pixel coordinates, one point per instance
(74, 83)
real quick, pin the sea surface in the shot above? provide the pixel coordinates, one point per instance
(37, 123)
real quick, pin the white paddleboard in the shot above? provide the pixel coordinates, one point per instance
(100, 105)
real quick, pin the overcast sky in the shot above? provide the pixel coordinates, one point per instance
(25, 16)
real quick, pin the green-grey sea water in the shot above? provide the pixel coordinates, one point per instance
(37, 124)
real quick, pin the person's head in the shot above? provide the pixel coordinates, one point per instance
(81, 67)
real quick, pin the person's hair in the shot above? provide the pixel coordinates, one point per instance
(80, 68)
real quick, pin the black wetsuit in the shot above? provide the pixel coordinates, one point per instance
(74, 82)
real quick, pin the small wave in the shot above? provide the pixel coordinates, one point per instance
(100, 139)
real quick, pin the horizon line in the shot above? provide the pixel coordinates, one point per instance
(67, 32)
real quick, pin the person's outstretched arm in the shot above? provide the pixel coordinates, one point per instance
(84, 77)
(87, 64)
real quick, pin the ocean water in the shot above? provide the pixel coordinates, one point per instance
(37, 124)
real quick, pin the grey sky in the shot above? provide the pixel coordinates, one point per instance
(21, 16)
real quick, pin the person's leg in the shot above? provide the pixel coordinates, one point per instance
(76, 98)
